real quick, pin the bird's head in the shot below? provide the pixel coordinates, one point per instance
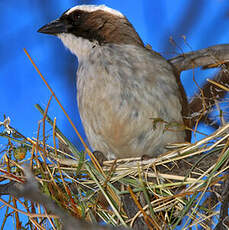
(92, 24)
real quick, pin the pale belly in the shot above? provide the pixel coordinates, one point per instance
(130, 126)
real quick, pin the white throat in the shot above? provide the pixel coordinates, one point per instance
(79, 46)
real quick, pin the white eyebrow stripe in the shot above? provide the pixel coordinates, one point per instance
(92, 8)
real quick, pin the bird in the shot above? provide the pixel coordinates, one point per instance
(130, 100)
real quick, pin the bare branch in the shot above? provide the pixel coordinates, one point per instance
(212, 56)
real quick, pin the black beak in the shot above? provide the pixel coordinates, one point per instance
(55, 27)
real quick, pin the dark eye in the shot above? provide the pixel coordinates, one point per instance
(76, 16)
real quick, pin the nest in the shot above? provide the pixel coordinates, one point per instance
(182, 185)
